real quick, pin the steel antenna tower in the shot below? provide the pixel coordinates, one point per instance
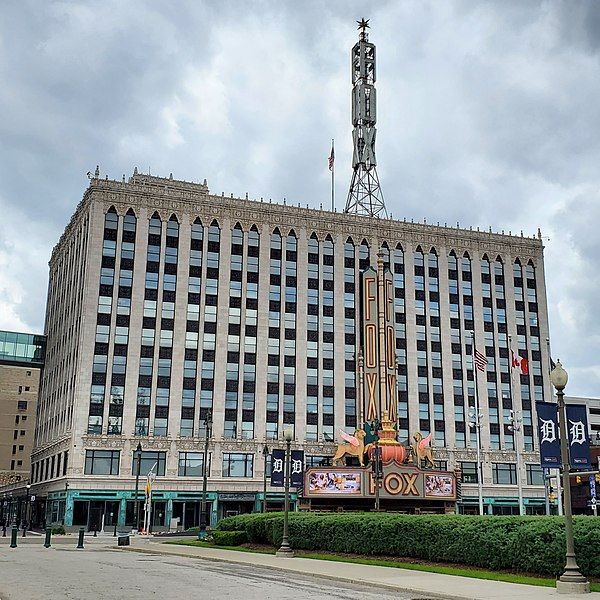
(365, 196)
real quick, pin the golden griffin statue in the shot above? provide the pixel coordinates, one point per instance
(354, 446)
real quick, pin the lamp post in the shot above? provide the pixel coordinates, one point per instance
(516, 422)
(265, 452)
(138, 458)
(376, 470)
(571, 581)
(475, 422)
(27, 509)
(207, 432)
(285, 549)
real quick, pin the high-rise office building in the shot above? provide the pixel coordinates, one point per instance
(166, 302)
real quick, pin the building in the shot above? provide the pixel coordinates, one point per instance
(593, 415)
(167, 303)
(21, 362)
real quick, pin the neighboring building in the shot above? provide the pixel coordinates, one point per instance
(166, 301)
(21, 362)
(593, 414)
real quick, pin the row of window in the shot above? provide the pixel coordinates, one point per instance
(240, 398)
(503, 473)
(191, 464)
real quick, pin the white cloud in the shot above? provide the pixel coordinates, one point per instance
(487, 115)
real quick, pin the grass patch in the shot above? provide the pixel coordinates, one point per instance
(472, 572)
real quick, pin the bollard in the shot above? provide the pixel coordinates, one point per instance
(115, 531)
(80, 541)
(13, 537)
(24, 531)
(48, 535)
(3, 530)
(95, 533)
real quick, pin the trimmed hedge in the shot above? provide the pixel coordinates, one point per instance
(519, 544)
(229, 538)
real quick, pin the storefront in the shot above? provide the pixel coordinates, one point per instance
(503, 506)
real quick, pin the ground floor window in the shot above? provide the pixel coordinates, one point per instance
(80, 512)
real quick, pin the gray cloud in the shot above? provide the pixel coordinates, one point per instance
(488, 115)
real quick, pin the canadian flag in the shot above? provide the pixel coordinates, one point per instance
(519, 362)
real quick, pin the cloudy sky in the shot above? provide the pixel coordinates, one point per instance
(488, 114)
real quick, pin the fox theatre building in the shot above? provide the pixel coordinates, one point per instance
(372, 469)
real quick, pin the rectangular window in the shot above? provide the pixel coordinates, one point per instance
(238, 465)
(191, 463)
(154, 461)
(535, 475)
(469, 472)
(102, 462)
(504, 473)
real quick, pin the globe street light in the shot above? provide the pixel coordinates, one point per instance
(138, 458)
(571, 581)
(285, 550)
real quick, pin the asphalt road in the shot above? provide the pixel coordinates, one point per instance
(32, 572)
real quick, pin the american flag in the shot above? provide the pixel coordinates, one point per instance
(331, 158)
(480, 360)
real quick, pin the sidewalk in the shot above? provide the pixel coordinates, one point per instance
(432, 584)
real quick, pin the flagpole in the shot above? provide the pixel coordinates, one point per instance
(477, 428)
(517, 428)
(332, 178)
(558, 471)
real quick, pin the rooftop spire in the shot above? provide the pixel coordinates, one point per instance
(365, 196)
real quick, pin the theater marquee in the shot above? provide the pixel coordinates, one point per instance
(400, 482)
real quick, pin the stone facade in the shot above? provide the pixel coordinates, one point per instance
(76, 268)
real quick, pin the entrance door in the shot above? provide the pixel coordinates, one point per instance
(96, 513)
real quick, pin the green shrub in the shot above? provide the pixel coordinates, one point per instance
(229, 538)
(520, 544)
(60, 530)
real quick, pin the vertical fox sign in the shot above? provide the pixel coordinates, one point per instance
(379, 342)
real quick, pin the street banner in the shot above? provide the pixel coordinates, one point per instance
(547, 414)
(277, 467)
(297, 468)
(579, 439)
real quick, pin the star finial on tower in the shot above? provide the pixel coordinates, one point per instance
(363, 24)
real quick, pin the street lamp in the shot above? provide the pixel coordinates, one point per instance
(207, 432)
(475, 416)
(265, 452)
(27, 509)
(571, 581)
(285, 550)
(516, 422)
(138, 458)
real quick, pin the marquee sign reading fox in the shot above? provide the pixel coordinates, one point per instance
(402, 482)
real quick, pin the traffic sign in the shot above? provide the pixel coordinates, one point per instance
(592, 486)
